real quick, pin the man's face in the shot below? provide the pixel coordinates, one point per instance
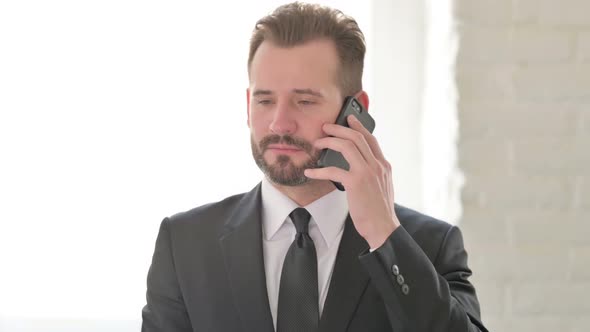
(292, 93)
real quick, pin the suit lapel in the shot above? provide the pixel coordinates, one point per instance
(242, 251)
(348, 283)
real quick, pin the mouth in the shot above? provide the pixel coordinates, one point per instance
(283, 148)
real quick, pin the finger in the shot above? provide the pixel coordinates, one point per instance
(347, 147)
(327, 173)
(352, 135)
(354, 123)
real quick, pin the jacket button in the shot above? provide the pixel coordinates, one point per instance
(400, 279)
(405, 289)
(395, 270)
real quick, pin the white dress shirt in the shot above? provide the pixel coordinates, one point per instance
(326, 226)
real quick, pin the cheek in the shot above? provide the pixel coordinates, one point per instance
(318, 123)
(258, 125)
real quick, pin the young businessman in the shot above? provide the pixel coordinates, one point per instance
(294, 253)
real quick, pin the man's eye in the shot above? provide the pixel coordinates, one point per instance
(306, 102)
(264, 101)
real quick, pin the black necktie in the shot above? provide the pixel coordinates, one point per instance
(298, 293)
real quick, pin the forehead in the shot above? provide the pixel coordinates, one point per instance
(313, 64)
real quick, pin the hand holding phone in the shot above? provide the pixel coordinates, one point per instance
(330, 157)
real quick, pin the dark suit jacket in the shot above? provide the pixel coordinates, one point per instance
(207, 274)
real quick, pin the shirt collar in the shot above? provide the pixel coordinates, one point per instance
(328, 212)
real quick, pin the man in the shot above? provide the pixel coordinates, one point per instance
(295, 254)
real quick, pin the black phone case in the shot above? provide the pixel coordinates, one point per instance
(334, 158)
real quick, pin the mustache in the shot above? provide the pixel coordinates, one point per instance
(285, 139)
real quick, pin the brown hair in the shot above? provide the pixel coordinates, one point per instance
(297, 23)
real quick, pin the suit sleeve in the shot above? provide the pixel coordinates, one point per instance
(421, 295)
(165, 310)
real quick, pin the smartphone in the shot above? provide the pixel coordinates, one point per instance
(334, 158)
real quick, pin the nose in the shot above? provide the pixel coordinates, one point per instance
(283, 121)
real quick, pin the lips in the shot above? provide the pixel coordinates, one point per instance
(283, 147)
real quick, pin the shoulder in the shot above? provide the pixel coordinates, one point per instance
(216, 210)
(414, 221)
(203, 221)
(210, 219)
(429, 232)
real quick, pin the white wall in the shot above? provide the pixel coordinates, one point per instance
(115, 114)
(523, 74)
(397, 55)
(442, 179)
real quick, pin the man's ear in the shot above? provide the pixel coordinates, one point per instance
(363, 97)
(248, 106)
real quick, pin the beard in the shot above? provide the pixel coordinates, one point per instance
(284, 171)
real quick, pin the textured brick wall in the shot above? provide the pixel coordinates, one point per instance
(523, 78)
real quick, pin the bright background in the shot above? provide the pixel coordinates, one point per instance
(115, 114)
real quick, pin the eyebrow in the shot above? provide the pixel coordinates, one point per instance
(308, 92)
(297, 91)
(261, 93)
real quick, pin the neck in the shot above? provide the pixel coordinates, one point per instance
(307, 193)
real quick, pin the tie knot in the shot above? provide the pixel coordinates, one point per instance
(300, 218)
